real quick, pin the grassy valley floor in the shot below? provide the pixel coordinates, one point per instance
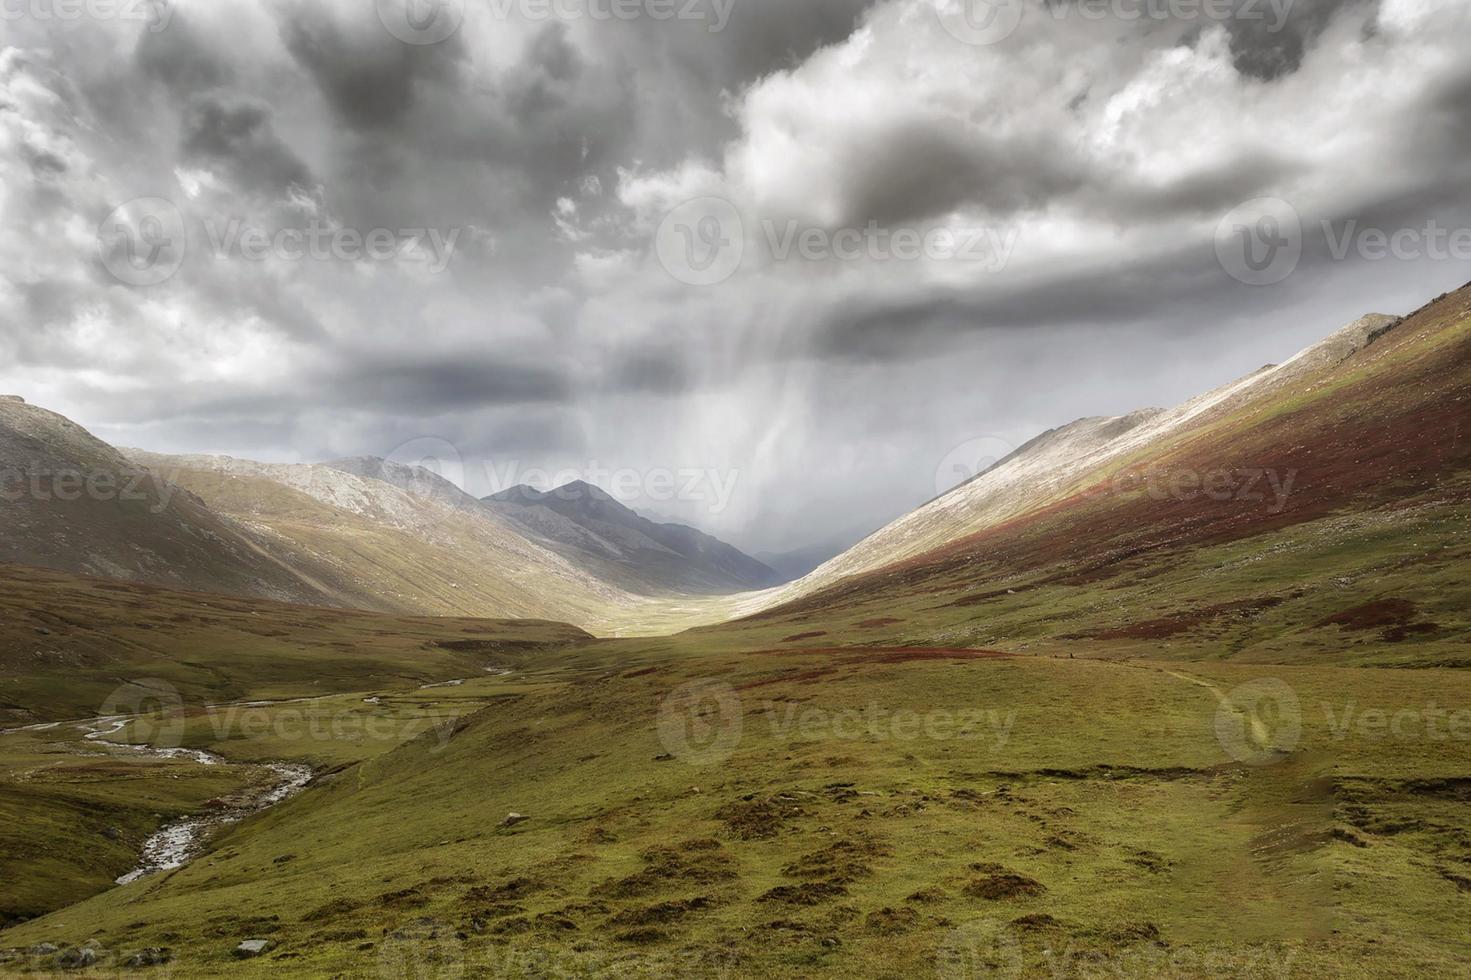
(884, 810)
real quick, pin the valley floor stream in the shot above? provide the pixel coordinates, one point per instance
(177, 843)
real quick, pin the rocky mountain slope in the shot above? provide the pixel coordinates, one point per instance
(418, 551)
(591, 528)
(1321, 504)
(72, 503)
(1061, 461)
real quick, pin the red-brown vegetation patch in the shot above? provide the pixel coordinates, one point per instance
(1184, 622)
(807, 893)
(995, 887)
(1379, 614)
(799, 637)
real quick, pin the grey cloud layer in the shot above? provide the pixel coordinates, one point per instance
(1112, 148)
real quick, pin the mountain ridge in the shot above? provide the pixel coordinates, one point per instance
(588, 524)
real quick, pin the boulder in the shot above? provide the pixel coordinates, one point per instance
(152, 956)
(251, 948)
(512, 819)
(78, 959)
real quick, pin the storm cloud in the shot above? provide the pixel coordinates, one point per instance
(942, 238)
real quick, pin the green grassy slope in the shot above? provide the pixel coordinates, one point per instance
(68, 645)
(878, 813)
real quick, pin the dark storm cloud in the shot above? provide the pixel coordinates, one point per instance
(1262, 50)
(919, 170)
(424, 388)
(700, 68)
(429, 387)
(557, 149)
(369, 78)
(1178, 289)
(653, 372)
(236, 132)
(183, 58)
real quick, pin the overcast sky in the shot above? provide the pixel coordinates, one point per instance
(808, 260)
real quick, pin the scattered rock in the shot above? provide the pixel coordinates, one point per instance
(43, 949)
(152, 956)
(512, 819)
(251, 948)
(78, 959)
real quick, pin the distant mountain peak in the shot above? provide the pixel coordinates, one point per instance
(520, 494)
(585, 523)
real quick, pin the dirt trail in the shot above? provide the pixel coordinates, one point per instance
(1260, 733)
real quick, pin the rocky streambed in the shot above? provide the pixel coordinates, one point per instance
(179, 842)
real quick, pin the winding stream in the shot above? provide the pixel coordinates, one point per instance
(176, 844)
